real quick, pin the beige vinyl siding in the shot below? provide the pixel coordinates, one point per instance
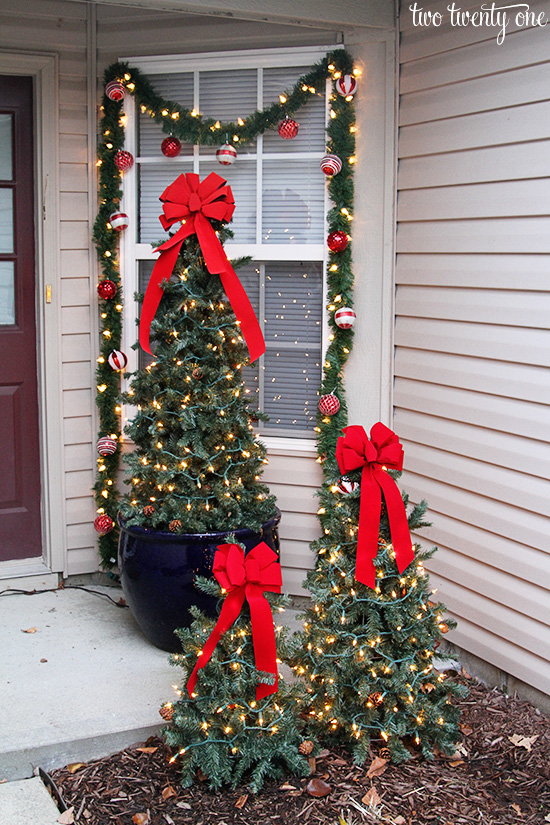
(61, 27)
(472, 340)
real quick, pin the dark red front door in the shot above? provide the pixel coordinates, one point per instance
(20, 526)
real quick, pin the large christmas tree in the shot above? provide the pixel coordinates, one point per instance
(367, 649)
(197, 464)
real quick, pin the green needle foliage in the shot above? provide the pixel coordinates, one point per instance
(223, 731)
(196, 459)
(367, 655)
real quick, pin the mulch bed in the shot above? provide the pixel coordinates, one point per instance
(499, 775)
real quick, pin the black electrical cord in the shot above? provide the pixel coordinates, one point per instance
(16, 592)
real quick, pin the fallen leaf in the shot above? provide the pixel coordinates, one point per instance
(377, 767)
(517, 809)
(399, 820)
(67, 817)
(522, 741)
(147, 750)
(339, 762)
(371, 798)
(86, 814)
(466, 730)
(168, 791)
(454, 763)
(547, 818)
(324, 752)
(185, 805)
(241, 801)
(427, 687)
(75, 766)
(466, 674)
(201, 776)
(287, 787)
(141, 819)
(30, 630)
(341, 820)
(312, 764)
(318, 788)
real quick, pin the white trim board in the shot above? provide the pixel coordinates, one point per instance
(43, 68)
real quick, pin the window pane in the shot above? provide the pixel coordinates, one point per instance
(6, 220)
(227, 96)
(241, 177)
(290, 396)
(6, 170)
(293, 302)
(293, 200)
(311, 134)
(7, 293)
(153, 180)
(176, 87)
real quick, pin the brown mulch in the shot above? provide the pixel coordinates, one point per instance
(499, 776)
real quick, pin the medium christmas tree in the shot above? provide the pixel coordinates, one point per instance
(196, 466)
(233, 721)
(366, 652)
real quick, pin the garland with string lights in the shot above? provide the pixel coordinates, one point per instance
(182, 124)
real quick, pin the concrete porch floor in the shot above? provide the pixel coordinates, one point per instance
(85, 684)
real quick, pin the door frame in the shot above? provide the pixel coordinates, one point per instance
(44, 70)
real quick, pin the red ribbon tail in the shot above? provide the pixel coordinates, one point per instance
(229, 612)
(244, 312)
(263, 637)
(369, 525)
(397, 517)
(154, 292)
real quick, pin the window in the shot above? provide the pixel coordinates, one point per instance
(279, 219)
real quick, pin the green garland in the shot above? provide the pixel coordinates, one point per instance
(191, 127)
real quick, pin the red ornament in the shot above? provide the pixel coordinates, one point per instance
(106, 289)
(124, 160)
(117, 360)
(346, 86)
(103, 525)
(331, 165)
(328, 404)
(346, 486)
(115, 90)
(288, 128)
(119, 221)
(226, 154)
(106, 446)
(344, 317)
(337, 241)
(171, 146)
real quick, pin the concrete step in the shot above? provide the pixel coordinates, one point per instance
(27, 802)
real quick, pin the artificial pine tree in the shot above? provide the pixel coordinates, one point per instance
(223, 731)
(366, 655)
(196, 466)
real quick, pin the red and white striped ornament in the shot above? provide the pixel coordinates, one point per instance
(328, 404)
(115, 90)
(226, 154)
(106, 445)
(170, 146)
(331, 165)
(346, 86)
(346, 486)
(117, 360)
(124, 160)
(103, 525)
(288, 128)
(119, 221)
(344, 317)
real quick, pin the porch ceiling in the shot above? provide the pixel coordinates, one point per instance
(319, 14)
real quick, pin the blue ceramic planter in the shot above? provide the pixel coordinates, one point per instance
(158, 570)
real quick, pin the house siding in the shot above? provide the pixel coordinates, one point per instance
(472, 342)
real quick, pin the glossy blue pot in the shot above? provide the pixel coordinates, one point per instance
(158, 570)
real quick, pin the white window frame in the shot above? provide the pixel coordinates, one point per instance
(131, 252)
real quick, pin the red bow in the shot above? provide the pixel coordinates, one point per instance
(246, 576)
(383, 450)
(194, 204)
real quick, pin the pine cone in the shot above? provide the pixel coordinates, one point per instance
(175, 525)
(306, 747)
(375, 698)
(148, 510)
(166, 711)
(384, 753)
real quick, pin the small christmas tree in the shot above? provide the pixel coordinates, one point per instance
(220, 726)
(196, 466)
(366, 653)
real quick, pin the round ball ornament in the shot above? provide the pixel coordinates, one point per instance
(331, 165)
(124, 160)
(170, 146)
(346, 486)
(346, 86)
(288, 128)
(103, 525)
(337, 241)
(226, 154)
(115, 90)
(148, 510)
(106, 446)
(119, 221)
(329, 404)
(174, 525)
(117, 360)
(344, 317)
(197, 373)
(106, 289)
